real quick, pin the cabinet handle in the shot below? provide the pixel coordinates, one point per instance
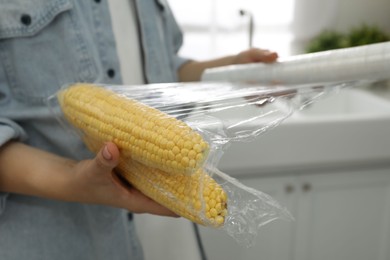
(306, 187)
(289, 189)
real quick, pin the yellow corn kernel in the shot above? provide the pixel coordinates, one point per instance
(183, 194)
(141, 132)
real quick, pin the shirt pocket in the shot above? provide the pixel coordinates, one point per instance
(43, 45)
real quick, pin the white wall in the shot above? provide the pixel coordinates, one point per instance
(355, 12)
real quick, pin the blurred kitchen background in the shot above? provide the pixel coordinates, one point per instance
(330, 166)
(219, 27)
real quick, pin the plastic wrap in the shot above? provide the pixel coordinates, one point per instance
(221, 113)
(368, 62)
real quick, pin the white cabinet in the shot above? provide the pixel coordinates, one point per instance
(342, 215)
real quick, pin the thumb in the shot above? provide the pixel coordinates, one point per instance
(106, 159)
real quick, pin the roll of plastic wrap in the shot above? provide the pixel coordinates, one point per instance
(369, 62)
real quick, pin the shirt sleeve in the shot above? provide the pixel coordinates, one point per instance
(177, 39)
(9, 130)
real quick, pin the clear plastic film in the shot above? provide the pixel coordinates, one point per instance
(363, 63)
(214, 113)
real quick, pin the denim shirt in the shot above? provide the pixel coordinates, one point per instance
(45, 44)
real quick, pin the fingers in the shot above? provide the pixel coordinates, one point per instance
(124, 196)
(135, 201)
(260, 55)
(106, 159)
(97, 182)
(143, 204)
(256, 55)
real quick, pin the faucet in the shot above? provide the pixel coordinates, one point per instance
(250, 25)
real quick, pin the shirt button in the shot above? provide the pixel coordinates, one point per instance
(2, 96)
(25, 19)
(111, 73)
(97, 1)
(130, 216)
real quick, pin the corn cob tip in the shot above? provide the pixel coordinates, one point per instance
(196, 197)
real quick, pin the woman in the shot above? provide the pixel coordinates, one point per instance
(56, 202)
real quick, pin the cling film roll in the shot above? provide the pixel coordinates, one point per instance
(362, 63)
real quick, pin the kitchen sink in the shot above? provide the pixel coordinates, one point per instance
(350, 103)
(349, 128)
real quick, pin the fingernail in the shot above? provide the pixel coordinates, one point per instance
(106, 154)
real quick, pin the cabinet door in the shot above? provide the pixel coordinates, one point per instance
(344, 216)
(274, 241)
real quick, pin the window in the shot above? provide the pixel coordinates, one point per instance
(213, 28)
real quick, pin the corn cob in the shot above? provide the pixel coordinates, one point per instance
(142, 133)
(196, 197)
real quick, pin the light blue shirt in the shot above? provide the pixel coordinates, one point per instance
(45, 44)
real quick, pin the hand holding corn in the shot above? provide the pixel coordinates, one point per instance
(34, 172)
(95, 181)
(160, 155)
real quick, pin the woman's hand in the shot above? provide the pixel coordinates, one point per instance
(96, 182)
(192, 70)
(255, 55)
(31, 171)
